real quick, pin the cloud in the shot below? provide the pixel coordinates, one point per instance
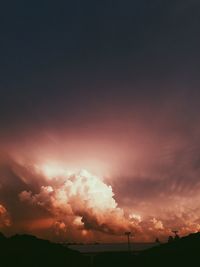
(5, 220)
(81, 201)
(61, 205)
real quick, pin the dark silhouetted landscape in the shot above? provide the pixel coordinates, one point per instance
(27, 250)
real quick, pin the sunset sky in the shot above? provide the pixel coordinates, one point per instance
(99, 119)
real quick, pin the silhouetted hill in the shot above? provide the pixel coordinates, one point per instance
(2, 237)
(182, 252)
(29, 251)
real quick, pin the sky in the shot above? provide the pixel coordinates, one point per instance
(99, 119)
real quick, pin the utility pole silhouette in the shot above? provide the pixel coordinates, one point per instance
(128, 240)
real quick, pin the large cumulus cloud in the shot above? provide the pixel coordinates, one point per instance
(62, 205)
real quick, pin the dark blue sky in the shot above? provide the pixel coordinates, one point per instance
(57, 55)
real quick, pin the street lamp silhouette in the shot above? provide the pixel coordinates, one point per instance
(128, 239)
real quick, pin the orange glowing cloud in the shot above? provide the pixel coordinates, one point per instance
(5, 220)
(79, 200)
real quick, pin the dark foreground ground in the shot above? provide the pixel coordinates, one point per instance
(30, 251)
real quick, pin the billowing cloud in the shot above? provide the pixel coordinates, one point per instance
(81, 201)
(5, 220)
(55, 203)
